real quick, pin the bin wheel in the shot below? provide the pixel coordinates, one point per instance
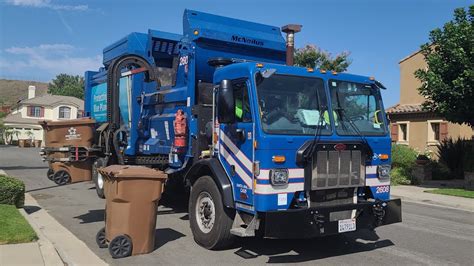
(210, 220)
(100, 238)
(61, 177)
(50, 174)
(120, 247)
(98, 178)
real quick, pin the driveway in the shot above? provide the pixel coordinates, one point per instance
(427, 235)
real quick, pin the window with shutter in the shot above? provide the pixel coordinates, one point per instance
(437, 131)
(35, 111)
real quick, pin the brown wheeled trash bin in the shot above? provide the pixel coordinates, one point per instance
(76, 132)
(132, 194)
(63, 140)
(70, 172)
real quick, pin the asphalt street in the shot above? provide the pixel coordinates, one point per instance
(428, 234)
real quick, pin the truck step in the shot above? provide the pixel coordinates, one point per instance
(242, 232)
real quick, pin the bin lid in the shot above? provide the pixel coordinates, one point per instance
(117, 171)
(79, 121)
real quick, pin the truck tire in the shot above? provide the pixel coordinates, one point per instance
(98, 178)
(210, 220)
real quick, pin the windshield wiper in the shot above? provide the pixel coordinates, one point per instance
(341, 113)
(317, 131)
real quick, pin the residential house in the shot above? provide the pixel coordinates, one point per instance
(410, 124)
(24, 118)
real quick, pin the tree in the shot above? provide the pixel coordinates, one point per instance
(67, 85)
(447, 83)
(314, 57)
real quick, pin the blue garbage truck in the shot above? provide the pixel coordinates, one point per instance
(266, 148)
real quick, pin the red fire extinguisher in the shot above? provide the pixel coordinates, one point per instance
(180, 128)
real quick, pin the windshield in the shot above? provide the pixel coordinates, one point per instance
(293, 105)
(357, 107)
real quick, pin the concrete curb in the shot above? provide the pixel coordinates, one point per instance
(48, 252)
(71, 250)
(417, 195)
(430, 203)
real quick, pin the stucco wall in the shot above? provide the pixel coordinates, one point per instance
(409, 84)
(50, 113)
(418, 136)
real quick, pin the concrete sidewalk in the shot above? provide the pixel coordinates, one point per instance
(417, 194)
(56, 246)
(70, 248)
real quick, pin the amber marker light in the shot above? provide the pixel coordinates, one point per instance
(310, 70)
(196, 32)
(278, 159)
(322, 71)
(372, 78)
(259, 65)
(383, 156)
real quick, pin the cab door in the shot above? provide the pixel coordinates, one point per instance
(236, 149)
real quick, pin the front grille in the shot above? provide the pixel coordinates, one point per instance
(337, 169)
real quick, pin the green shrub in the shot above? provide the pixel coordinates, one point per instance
(440, 171)
(452, 154)
(469, 157)
(403, 156)
(12, 191)
(400, 176)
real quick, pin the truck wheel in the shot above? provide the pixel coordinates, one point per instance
(98, 178)
(61, 177)
(210, 220)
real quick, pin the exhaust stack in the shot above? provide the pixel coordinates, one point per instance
(290, 31)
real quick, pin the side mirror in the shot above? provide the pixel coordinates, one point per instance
(378, 117)
(226, 103)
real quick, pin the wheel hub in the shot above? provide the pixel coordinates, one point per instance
(205, 212)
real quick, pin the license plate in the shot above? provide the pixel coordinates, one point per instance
(347, 225)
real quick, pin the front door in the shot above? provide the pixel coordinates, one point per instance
(236, 149)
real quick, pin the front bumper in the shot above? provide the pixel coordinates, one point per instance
(313, 222)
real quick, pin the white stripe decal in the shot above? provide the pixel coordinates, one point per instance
(292, 173)
(370, 170)
(245, 177)
(374, 182)
(236, 151)
(296, 173)
(269, 189)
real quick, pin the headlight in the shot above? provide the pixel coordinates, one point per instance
(279, 177)
(384, 171)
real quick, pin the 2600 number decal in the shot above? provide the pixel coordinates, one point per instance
(382, 189)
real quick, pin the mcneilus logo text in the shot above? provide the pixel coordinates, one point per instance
(236, 38)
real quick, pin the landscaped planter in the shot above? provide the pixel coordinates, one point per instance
(22, 143)
(422, 161)
(422, 173)
(38, 143)
(469, 180)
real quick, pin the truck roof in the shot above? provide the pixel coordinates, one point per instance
(237, 69)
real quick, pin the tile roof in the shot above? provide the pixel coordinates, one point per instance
(405, 108)
(18, 119)
(51, 100)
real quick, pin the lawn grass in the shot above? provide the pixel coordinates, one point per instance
(458, 192)
(13, 226)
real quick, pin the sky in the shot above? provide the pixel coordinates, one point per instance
(42, 38)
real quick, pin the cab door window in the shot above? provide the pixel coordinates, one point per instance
(242, 102)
